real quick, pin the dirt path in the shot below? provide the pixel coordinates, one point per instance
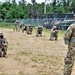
(30, 55)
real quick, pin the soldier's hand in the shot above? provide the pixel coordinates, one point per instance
(56, 30)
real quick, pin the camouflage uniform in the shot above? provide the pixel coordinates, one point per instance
(54, 33)
(16, 26)
(39, 31)
(3, 46)
(70, 57)
(29, 29)
(20, 26)
(24, 28)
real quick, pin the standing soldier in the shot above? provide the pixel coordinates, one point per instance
(69, 39)
(20, 26)
(16, 26)
(54, 33)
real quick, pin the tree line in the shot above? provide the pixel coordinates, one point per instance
(22, 9)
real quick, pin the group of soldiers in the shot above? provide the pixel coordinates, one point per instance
(19, 26)
(69, 38)
(28, 28)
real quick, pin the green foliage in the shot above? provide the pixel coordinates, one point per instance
(13, 10)
(59, 9)
(73, 5)
(8, 15)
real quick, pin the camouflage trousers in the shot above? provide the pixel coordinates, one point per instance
(3, 52)
(15, 29)
(53, 36)
(69, 61)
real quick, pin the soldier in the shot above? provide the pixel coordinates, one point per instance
(39, 31)
(24, 28)
(54, 33)
(69, 38)
(16, 26)
(29, 29)
(3, 45)
(20, 26)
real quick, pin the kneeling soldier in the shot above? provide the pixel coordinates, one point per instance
(29, 29)
(3, 45)
(24, 28)
(39, 31)
(54, 33)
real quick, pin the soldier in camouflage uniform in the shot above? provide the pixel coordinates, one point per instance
(69, 36)
(20, 26)
(29, 29)
(54, 33)
(39, 31)
(24, 28)
(16, 26)
(3, 45)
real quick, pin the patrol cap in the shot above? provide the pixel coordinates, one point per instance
(54, 26)
(40, 26)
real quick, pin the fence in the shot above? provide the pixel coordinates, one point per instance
(47, 22)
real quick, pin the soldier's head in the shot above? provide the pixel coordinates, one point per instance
(54, 27)
(1, 36)
(39, 30)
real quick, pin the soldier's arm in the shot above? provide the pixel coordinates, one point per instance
(68, 33)
(52, 30)
(56, 30)
(4, 43)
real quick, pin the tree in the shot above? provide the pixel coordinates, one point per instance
(33, 3)
(54, 3)
(73, 5)
(35, 10)
(14, 1)
(22, 3)
(3, 13)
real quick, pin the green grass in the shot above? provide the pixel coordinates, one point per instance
(11, 26)
(48, 63)
(6, 25)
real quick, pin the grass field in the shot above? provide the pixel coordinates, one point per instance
(31, 55)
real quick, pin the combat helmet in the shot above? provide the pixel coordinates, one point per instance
(1, 36)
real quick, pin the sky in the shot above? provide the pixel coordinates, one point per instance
(38, 1)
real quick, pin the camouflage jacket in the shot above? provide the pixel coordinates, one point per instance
(3, 42)
(70, 35)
